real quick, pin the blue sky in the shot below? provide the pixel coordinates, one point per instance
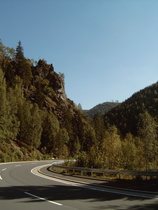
(107, 49)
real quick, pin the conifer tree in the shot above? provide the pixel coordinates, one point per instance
(23, 68)
(89, 138)
(19, 56)
(99, 128)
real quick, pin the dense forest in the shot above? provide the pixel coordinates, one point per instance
(126, 137)
(126, 116)
(38, 121)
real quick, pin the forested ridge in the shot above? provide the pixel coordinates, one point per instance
(38, 121)
(101, 109)
(126, 116)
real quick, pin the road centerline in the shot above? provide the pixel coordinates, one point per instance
(40, 198)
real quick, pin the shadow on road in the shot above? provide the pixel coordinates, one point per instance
(66, 192)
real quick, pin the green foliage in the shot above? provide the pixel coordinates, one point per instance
(148, 134)
(126, 116)
(89, 138)
(49, 133)
(38, 121)
(36, 126)
(8, 123)
(112, 145)
(99, 128)
(23, 69)
(60, 144)
(6, 51)
(128, 153)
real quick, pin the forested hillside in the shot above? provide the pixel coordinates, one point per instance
(126, 116)
(100, 109)
(38, 121)
(127, 136)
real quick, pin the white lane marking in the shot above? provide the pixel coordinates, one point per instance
(4, 169)
(59, 204)
(23, 162)
(1, 178)
(17, 165)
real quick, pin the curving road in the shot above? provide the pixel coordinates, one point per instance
(23, 188)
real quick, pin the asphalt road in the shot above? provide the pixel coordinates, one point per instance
(21, 188)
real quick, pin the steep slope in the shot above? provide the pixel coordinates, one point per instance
(126, 115)
(101, 109)
(37, 118)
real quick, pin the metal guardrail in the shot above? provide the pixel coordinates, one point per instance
(107, 171)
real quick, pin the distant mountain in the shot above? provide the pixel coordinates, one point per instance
(126, 116)
(101, 109)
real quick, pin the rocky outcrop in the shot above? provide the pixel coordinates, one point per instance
(44, 74)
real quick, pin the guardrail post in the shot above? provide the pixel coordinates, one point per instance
(91, 171)
(119, 174)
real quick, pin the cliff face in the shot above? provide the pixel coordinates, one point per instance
(50, 91)
(45, 72)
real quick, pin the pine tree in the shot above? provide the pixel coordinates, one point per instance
(23, 68)
(89, 138)
(36, 126)
(19, 56)
(99, 128)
